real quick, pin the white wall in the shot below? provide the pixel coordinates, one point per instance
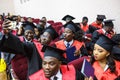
(56, 9)
(7, 6)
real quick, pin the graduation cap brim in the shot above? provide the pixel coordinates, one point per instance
(101, 17)
(109, 22)
(52, 32)
(105, 43)
(68, 16)
(72, 26)
(116, 50)
(53, 52)
(28, 26)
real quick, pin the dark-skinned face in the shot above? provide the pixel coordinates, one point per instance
(68, 34)
(50, 66)
(29, 35)
(45, 38)
(85, 21)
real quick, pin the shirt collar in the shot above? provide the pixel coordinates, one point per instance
(106, 67)
(104, 31)
(71, 42)
(27, 40)
(58, 75)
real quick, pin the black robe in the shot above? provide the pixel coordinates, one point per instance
(12, 44)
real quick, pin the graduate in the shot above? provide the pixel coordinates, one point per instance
(30, 49)
(53, 69)
(106, 30)
(98, 23)
(69, 40)
(49, 36)
(106, 68)
(68, 18)
(84, 24)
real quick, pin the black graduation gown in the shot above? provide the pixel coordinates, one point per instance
(12, 44)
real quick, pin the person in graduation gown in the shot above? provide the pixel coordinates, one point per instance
(68, 18)
(12, 44)
(84, 24)
(106, 68)
(98, 23)
(69, 34)
(106, 30)
(49, 36)
(53, 69)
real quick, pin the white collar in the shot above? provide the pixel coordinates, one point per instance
(58, 75)
(71, 42)
(27, 40)
(106, 67)
(103, 30)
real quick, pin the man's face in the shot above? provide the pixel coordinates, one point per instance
(50, 66)
(68, 34)
(29, 35)
(45, 38)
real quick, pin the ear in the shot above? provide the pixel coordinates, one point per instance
(107, 54)
(60, 63)
(73, 34)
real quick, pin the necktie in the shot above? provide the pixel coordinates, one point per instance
(55, 78)
(68, 45)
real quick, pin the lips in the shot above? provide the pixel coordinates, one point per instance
(47, 72)
(95, 57)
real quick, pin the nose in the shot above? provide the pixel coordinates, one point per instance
(94, 52)
(47, 66)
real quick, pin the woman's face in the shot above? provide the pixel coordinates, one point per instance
(100, 53)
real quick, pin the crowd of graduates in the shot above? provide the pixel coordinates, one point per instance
(35, 49)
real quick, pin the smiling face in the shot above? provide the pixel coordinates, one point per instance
(100, 53)
(29, 35)
(50, 66)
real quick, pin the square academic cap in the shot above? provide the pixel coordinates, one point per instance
(53, 52)
(105, 43)
(68, 17)
(109, 22)
(116, 50)
(101, 17)
(52, 32)
(72, 26)
(28, 26)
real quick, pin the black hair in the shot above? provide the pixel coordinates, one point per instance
(110, 62)
(84, 18)
(79, 35)
(116, 38)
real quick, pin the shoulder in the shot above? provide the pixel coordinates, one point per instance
(37, 75)
(59, 41)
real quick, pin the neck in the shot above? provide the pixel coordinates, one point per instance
(102, 63)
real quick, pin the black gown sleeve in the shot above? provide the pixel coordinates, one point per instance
(12, 44)
(95, 36)
(79, 75)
